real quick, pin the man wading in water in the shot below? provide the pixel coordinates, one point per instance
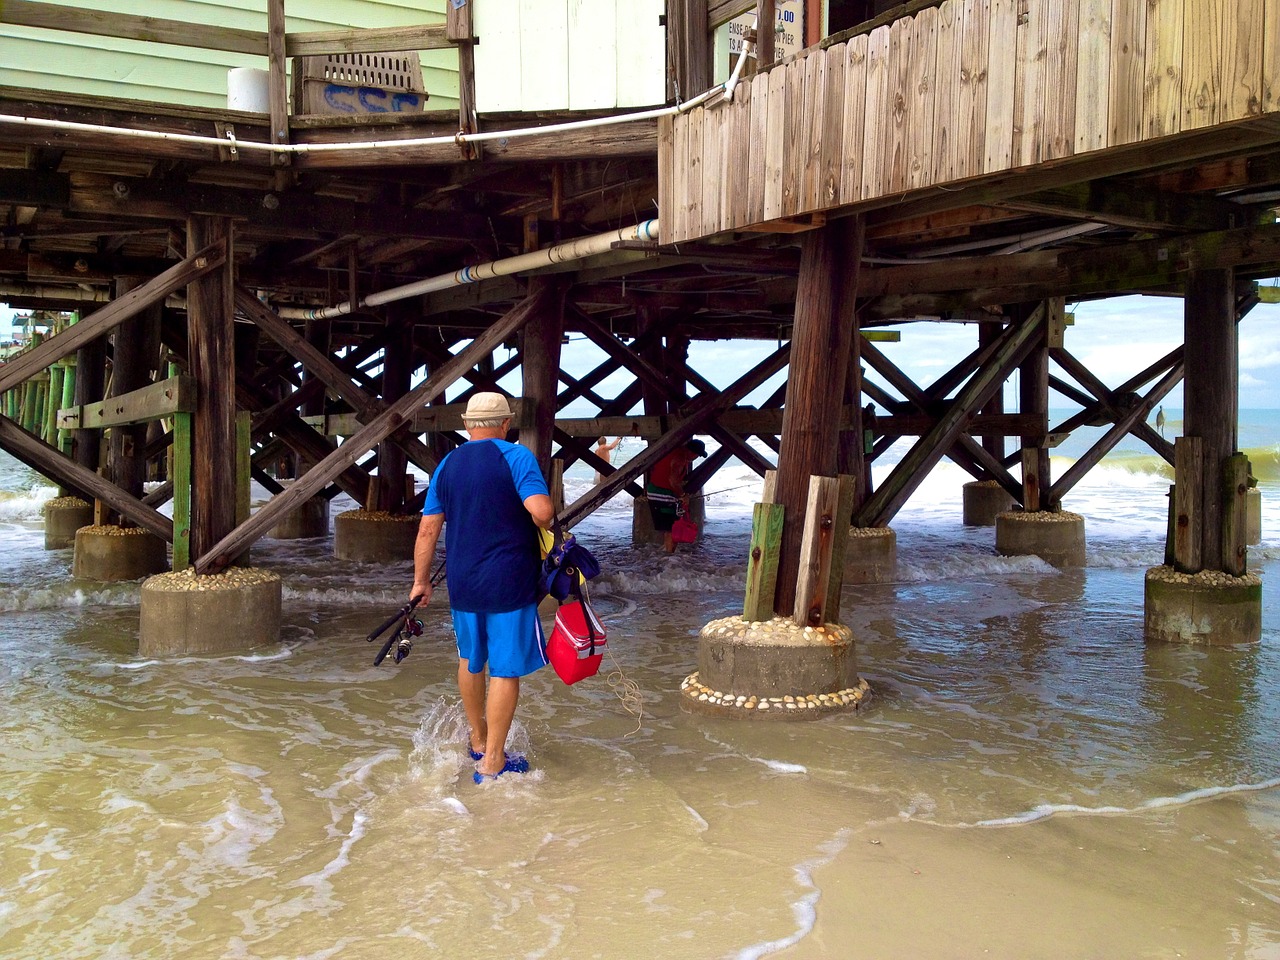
(493, 498)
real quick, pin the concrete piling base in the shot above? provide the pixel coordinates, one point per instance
(983, 501)
(1209, 607)
(63, 516)
(773, 670)
(871, 555)
(1056, 538)
(1253, 515)
(311, 519)
(374, 537)
(642, 521)
(110, 553)
(183, 614)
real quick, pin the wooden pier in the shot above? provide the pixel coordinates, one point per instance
(976, 161)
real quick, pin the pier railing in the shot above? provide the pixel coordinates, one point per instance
(962, 90)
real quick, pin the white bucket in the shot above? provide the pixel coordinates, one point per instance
(248, 88)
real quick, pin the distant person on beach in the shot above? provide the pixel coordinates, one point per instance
(665, 489)
(604, 450)
(1160, 420)
(493, 498)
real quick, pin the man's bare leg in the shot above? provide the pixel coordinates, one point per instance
(471, 686)
(504, 694)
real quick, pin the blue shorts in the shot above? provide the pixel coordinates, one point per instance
(510, 642)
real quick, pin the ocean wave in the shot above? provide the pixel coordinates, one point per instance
(1047, 810)
(23, 505)
(65, 597)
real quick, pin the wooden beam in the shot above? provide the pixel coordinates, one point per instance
(160, 399)
(203, 261)
(278, 81)
(1133, 206)
(1123, 425)
(390, 420)
(433, 36)
(50, 462)
(886, 501)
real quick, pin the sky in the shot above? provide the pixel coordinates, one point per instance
(1114, 338)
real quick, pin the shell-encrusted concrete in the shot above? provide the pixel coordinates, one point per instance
(63, 516)
(184, 614)
(870, 555)
(773, 669)
(308, 519)
(1054, 537)
(107, 552)
(371, 536)
(983, 501)
(1209, 607)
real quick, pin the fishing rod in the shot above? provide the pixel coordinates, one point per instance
(410, 627)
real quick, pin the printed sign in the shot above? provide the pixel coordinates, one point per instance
(788, 30)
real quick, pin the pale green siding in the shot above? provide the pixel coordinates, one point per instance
(105, 66)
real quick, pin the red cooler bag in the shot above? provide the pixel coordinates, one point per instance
(577, 642)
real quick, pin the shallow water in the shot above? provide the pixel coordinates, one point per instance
(1030, 778)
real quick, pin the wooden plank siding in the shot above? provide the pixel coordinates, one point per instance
(965, 89)
(138, 70)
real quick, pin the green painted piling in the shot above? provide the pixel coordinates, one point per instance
(181, 473)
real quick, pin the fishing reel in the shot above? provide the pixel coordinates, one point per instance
(412, 628)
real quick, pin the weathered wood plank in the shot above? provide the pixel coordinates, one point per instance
(678, 215)
(899, 105)
(848, 490)
(821, 512)
(922, 81)
(734, 206)
(831, 153)
(762, 563)
(1128, 71)
(1031, 55)
(140, 406)
(950, 40)
(877, 117)
(695, 165)
(1062, 19)
(971, 96)
(1001, 86)
(1188, 486)
(316, 43)
(780, 104)
(1162, 88)
(811, 132)
(1271, 57)
(1235, 486)
(796, 138)
(278, 82)
(667, 179)
(852, 159)
(1241, 49)
(1093, 75)
(757, 154)
(711, 165)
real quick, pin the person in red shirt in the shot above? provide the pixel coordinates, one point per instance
(665, 489)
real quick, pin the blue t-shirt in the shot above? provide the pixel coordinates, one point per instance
(491, 542)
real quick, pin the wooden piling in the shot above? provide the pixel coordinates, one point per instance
(1210, 393)
(820, 349)
(210, 336)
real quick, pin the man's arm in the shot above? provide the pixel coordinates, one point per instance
(539, 507)
(424, 552)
